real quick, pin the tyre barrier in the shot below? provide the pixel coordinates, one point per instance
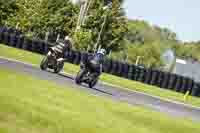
(153, 77)
(114, 67)
(125, 70)
(6, 38)
(1, 37)
(77, 57)
(119, 69)
(107, 67)
(148, 76)
(160, 79)
(20, 41)
(131, 72)
(196, 90)
(190, 85)
(172, 81)
(178, 83)
(27, 45)
(183, 88)
(71, 56)
(141, 76)
(165, 81)
(13, 40)
(137, 74)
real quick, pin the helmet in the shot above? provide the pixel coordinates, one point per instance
(68, 40)
(101, 51)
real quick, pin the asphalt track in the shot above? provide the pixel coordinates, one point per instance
(171, 108)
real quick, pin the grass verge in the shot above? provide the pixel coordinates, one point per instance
(29, 105)
(33, 58)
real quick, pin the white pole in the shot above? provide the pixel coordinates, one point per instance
(101, 31)
(137, 61)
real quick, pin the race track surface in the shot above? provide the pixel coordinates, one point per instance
(173, 109)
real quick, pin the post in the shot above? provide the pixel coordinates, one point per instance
(58, 37)
(47, 36)
(101, 31)
(186, 96)
(81, 14)
(137, 61)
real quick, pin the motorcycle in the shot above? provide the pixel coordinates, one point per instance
(87, 75)
(53, 61)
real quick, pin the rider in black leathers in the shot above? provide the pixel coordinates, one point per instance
(95, 62)
(63, 46)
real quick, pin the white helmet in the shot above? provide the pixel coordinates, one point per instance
(69, 40)
(101, 51)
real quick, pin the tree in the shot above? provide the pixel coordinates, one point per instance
(7, 9)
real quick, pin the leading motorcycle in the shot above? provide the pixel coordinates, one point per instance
(52, 60)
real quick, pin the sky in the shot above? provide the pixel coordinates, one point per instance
(181, 16)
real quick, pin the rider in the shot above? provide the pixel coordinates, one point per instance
(95, 62)
(63, 46)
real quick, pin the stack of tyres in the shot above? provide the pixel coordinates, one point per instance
(1, 37)
(20, 41)
(114, 67)
(34, 47)
(160, 79)
(131, 72)
(119, 69)
(137, 73)
(67, 56)
(37, 46)
(6, 38)
(141, 76)
(190, 85)
(183, 88)
(71, 56)
(172, 81)
(13, 40)
(154, 77)
(178, 83)
(77, 57)
(125, 70)
(196, 89)
(27, 45)
(165, 80)
(107, 66)
(148, 76)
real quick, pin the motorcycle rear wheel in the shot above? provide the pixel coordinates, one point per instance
(93, 83)
(58, 67)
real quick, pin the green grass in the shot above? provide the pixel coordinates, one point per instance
(29, 105)
(29, 57)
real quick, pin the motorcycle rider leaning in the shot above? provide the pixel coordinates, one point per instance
(95, 62)
(63, 46)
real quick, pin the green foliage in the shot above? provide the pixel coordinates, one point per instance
(7, 9)
(37, 17)
(82, 40)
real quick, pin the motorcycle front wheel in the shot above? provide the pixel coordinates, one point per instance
(79, 76)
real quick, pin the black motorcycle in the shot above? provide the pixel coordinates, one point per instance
(87, 74)
(53, 60)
